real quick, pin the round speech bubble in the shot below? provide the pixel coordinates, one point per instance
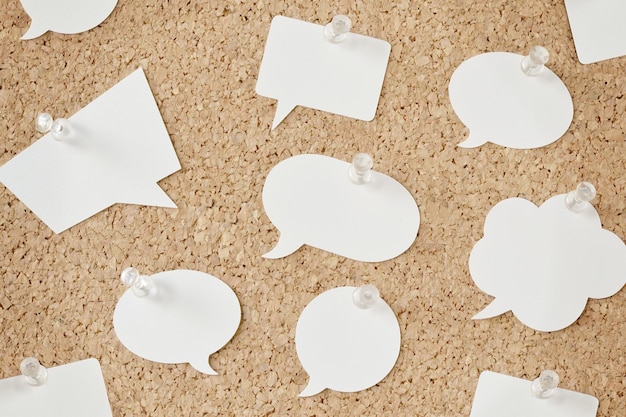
(312, 201)
(344, 347)
(190, 316)
(500, 104)
(65, 16)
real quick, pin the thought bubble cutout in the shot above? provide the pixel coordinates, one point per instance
(597, 28)
(65, 16)
(191, 316)
(343, 347)
(311, 200)
(500, 104)
(120, 148)
(503, 395)
(300, 67)
(543, 263)
(76, 389)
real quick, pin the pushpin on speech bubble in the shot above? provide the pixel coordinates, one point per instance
(502, 103)
(347, 340)
(315, 200)
(65, 16)
(176, 316)
(310, 65)
(117, 151)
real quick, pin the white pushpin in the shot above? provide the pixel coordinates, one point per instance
(534, 63)
(60, 128)
(579, 199)
(142, 285)
(360, 172)
(545, 385)
(365, 296)
(337, 29)
(34, 373)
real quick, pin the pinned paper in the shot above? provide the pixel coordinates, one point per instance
(117, 152)
(190, 316)
(500, 104)
(65, 16)
(503, 395)
(302, 68)
(344, 347)
(543, 263)
(73, 390)
(312, 201)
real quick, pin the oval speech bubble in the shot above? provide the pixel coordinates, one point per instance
(343, 347)
(500, 104)
(65, 16)
(312, 201)
(191, 315)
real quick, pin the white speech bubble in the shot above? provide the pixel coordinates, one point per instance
(312, 201)
(502, 395)
(65, 16)
(300, 67)
(73, 390)
(543, 263)
(343, 347)
(191, 316)
(500, 104)
(118, 150)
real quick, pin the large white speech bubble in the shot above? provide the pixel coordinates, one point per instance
(118, 150)
(312, 201)
(300, 67)
(343, 347)
(73, 390)
(502, 395)
(65, 16)
(500, 104)
(191, 316)
(543, 263)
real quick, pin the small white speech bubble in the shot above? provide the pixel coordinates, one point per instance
(118, 150)
(65, 16)
(543, 263)
(500, 104)
(312, 201)
(300, 67)
(343, 347)
(191, 316)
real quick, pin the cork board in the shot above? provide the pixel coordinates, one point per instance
(58, 292)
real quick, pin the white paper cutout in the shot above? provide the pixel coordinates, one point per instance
(543, 263)
(191, 316)
(500, 104)
(503, 395)
(343, 347)
(301, 68)
(65, 16)
(312, 201)
(73, 390)
(118, 151)
(598, 29)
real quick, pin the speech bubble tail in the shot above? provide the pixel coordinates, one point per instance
(34, 31)
(149, 195)
(283, 248)
(495, 308)
(472, 141)
(311, 389)
(202, 365)
(282, 110)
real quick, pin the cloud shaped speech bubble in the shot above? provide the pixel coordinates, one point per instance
(191, 316)
(500, 104)
(118, 150)
(300, 67)
(311, 200)
(65, 16)
(344, 347)
(543, 263)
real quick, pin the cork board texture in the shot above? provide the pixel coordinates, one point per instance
(58, 292)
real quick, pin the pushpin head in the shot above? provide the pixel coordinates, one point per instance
(360, 171)
(534, 63)
(365, 296)
(338, 28)
(60, 129)
(579, 199)
(545, 385)
(43, 123)
(34, 373)
(142, 285)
